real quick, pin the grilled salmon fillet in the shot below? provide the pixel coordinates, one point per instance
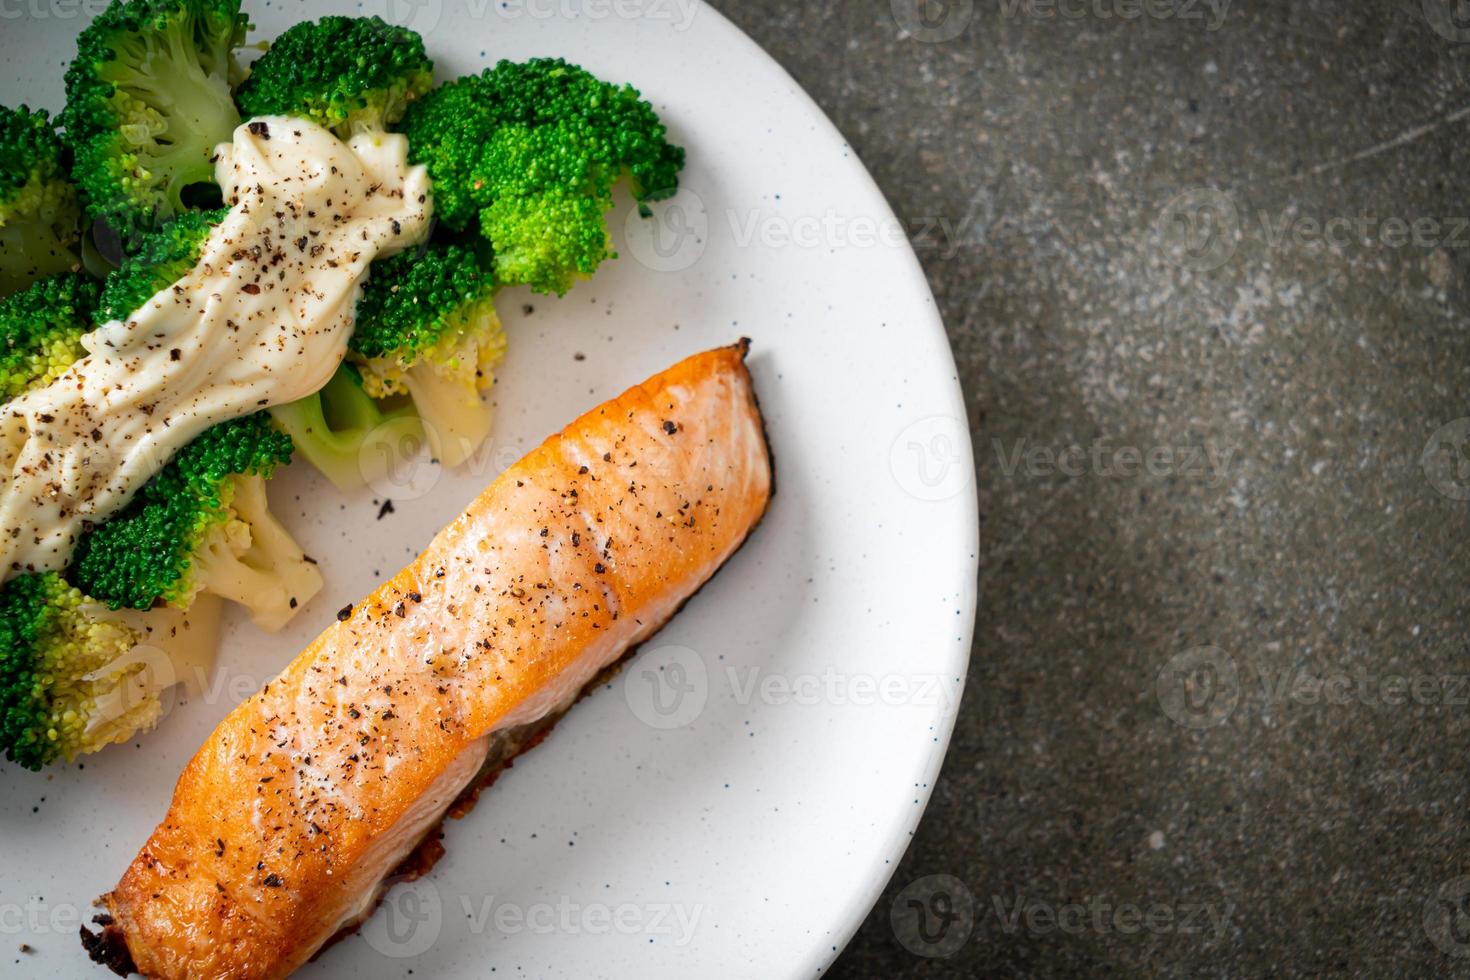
(313, 790)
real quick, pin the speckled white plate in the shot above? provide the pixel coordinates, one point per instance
(732, 805)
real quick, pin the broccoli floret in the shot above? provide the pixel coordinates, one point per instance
(352, 439)
(41, 331)
(39, 214)
(148, 99)
(202, 524)
(162, 259)
(348, 74)
(530, 152)
(76, 676)
(426, 327)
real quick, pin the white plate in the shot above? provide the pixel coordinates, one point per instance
(748, 830)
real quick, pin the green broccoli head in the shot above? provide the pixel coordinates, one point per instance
(530, 153)
(348, 74)
(39, 214)
(202, 524)
(41, 331)
(351, 438)
(148, 99)
(426, 327)
(163, 257)
(76, 676)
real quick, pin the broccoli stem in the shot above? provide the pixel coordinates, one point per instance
(253, 560)
(175, 646)
(347, 435)
(456, 419)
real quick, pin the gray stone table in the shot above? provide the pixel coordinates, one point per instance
(1204, 267)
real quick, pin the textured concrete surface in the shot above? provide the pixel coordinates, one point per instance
(1217, 713)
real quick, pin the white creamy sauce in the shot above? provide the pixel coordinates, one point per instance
(263, 319)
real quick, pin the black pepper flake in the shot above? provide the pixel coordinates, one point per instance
(175, 354)
(344, 613)
(415, 597)
(670, 427)
(576, 539)
(387, 508)
(251, 288)
(399, 611)
(545, 532)
(260, 129)
(273, 880)
(582, 470)
(599, 568)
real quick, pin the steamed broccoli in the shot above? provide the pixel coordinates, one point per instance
(39, 214)
(163, 258)
(426, 326)
(203, 524)
(348, 74)
(41, 332)
(352, 439)
(148, 99)
(530, 152)
(75, 676)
